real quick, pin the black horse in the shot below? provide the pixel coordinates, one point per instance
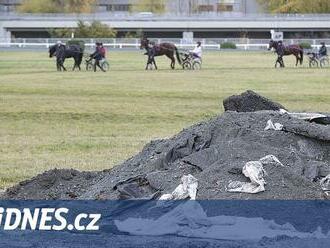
(296, 50)
(63, 52)
(167, 49)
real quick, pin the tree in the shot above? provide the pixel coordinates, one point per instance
(57, 6)
(85, 30)
(296, 6)
(154, 6)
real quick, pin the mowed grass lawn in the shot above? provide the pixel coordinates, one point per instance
(92, 121)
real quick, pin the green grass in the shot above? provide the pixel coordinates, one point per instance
(92, 121)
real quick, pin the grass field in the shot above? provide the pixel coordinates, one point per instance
(92, 121)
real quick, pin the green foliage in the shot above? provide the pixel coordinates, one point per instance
(305, 45)
(296, 6)
(56, 6)
(80, 43)
(94, 30)
(137, 34)
(85, 30)
(61, 32)
(154, 6)
(228, 45)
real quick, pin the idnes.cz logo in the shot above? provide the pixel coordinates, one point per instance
(46, 219)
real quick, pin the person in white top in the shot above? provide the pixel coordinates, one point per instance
(197, 52)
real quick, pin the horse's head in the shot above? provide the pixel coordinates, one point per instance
(272, 44)
(144, 43)
(52, 51)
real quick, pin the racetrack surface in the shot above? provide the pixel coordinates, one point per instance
(92, 121)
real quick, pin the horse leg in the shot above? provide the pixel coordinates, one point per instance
(80, 60)
(173, 63)
(62, 65)
(278, 61)
(75, 64)
(58, 64)
(61, 61)
(297, 59)
(155, 64)
(148, 63)
(171, 57)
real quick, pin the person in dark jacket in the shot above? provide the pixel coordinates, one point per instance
(98, 55)
(323, 50)
(151, 52)
(280, 52)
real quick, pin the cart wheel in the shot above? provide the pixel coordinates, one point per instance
(197, 65)
(105, 65)
(324, 62)
(89, 66)
(313, 63)
(186, 65)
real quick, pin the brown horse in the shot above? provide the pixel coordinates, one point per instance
(167, 49)
(282, 50)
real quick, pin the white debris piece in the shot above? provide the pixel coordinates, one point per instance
(307, 116)
(283, 111)
(303, 116)
(270, 159)
(187, 188)
(271, 126)
(325, 184)
(255, 172)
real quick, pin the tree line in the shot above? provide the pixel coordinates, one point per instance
(84, 6)
(296, 6)
(158, 6)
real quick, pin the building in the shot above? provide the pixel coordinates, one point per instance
(9, 5)
(113, 5)
(182, 18)
(213, 6)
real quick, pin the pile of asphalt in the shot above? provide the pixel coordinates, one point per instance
(214, 152)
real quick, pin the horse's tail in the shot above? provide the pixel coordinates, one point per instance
(301, 56)
(178, 55)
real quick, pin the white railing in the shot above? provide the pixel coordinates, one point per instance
(125, 43)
